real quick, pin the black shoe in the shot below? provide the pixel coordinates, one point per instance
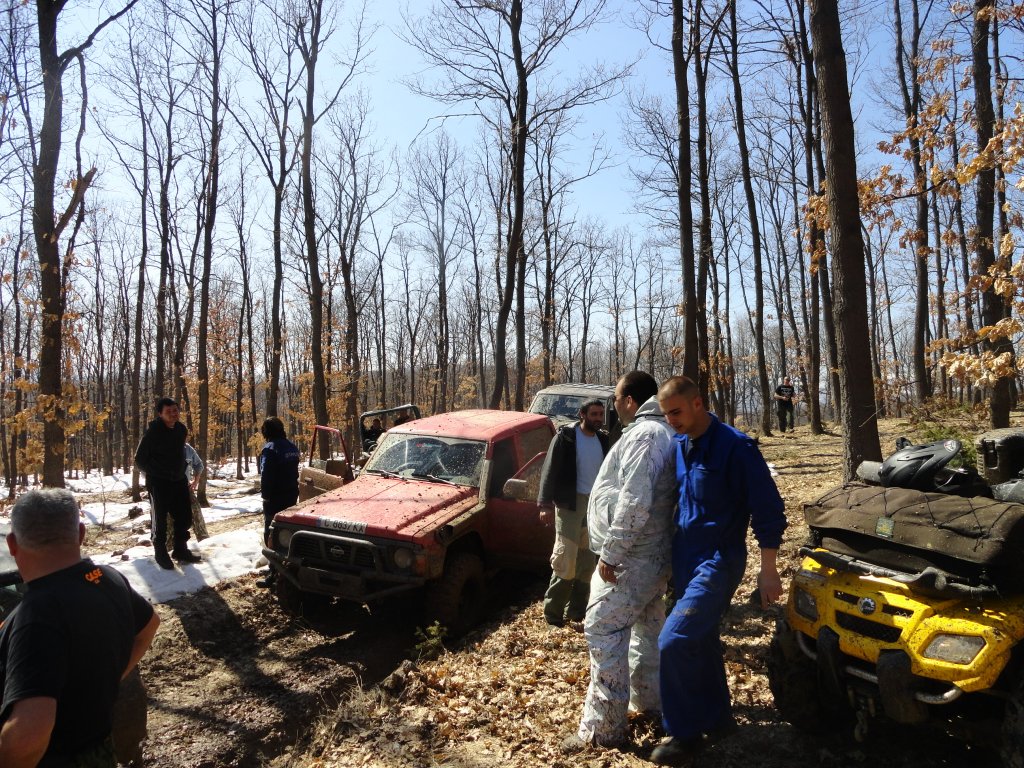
(676, 752)
(725, 729)
(186, 556)
(163, 560)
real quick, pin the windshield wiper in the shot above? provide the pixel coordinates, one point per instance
(435, 478)
(384, 472)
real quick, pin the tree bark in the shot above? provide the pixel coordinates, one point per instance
(992, 308)
(858, 417)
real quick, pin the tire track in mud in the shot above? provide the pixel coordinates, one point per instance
(234, 681)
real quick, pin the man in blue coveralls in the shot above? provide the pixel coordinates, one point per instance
(724, 487)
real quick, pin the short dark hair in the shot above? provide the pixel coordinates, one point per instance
(163, 402)
(46, 518)
(678, 386)
(273, 428)
(590, 404)
(639, 385)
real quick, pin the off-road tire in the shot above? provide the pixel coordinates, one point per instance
(130, 719)
(793, 679)
(295, 602)
(1011, 745)
(456, 600)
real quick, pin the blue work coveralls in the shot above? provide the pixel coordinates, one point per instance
(724, 486)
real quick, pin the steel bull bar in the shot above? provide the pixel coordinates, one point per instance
(361, 577)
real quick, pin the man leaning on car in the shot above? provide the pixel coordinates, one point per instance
(64, 650)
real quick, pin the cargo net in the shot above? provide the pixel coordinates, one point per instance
(973, 540)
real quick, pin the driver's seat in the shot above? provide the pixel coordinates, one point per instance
(461, 459)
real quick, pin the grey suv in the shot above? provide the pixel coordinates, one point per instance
(561, 402)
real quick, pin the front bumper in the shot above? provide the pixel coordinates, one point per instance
(862, 623)
(353, 569)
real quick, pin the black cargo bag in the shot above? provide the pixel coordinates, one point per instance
(975, 539)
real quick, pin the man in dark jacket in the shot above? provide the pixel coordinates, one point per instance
(279, 478)
(161, 457)
(572, 462)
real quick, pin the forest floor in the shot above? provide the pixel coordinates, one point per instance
(234, 681)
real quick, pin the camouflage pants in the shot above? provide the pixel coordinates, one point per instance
(622, 626)
(198, 522)
(572, 564)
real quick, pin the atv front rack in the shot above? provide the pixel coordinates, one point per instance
(930, 581)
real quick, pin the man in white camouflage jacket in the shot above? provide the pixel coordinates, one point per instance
(630, 518)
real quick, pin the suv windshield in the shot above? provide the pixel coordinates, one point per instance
(567, 406)
(444, 458)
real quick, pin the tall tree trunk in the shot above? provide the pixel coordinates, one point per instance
(310, 50)
(755, 229)
(515, 255)
(910, 88)
(858, 403)
(691, 360)
(992, 308)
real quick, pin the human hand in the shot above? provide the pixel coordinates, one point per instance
(607, 572)
(769, 584)
(546, 513)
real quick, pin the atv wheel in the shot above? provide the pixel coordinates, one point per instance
(793, 679)
(1011, 748)
(456, 600)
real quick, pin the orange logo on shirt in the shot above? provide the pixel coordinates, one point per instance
(94, 576)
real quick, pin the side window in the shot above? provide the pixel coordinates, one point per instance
(533, 442)
(530, 475)
(503, 466)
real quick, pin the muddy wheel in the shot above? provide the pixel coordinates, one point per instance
(130, 719)
(1011, 747)
(456, 600)
(296, 602)
(793, 679)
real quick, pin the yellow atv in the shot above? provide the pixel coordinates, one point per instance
(909, 602)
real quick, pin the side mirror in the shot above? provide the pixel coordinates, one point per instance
(516, 489)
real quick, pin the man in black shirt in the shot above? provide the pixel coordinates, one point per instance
(64, 650)
(784, 394)
(161, 457)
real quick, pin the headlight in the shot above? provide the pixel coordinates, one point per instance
(284, 538)
(956, 649)
(402, 558)
(805, 604)
(810, 578)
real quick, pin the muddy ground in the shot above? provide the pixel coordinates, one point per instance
(234, 681)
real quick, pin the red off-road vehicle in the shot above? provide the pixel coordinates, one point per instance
(441, 501)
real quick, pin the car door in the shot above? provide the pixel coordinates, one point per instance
(517, 537)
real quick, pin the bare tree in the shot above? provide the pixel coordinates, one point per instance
(992, 306)
(270, 47)
(47, 226)
(493, 54)
(858, 416)
(312, 27)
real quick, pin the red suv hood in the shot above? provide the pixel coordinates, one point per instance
(374, 505)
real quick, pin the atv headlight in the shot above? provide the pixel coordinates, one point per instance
(805, 604)
(284, 538)
(956, 649)
(402, 558)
